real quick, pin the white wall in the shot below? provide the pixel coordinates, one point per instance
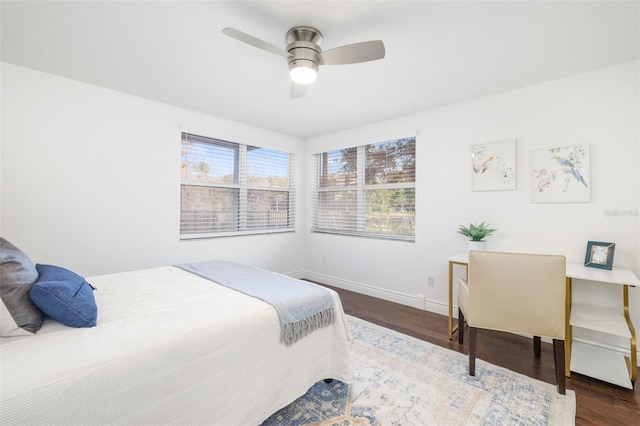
(91, 179)
(598, 108)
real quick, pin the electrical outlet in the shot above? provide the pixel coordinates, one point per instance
(430, 281)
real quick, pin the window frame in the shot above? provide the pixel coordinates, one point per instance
(320, 186)
(241, 203)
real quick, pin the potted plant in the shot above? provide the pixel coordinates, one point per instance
(476, 234)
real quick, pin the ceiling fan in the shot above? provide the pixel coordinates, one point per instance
(304, 54)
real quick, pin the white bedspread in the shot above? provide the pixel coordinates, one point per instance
(169, 348)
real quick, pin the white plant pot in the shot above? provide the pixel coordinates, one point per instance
(478, 245)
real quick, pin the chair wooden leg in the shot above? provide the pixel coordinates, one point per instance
(537, 346)
(460, 327)
(472, 350)
(558, 356)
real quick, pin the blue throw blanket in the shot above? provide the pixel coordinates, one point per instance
(302, 307)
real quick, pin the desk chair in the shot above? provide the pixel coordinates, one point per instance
(517, 293)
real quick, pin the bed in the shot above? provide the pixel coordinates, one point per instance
(169, 347)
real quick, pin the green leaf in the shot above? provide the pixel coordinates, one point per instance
(476, 232)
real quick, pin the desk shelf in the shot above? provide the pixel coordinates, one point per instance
(591, 359)
(604, 320)
(599, 363)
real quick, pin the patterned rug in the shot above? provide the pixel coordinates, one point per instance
(400, 380)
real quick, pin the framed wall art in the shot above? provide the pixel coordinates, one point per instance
(493, 166)
(561, 175)
(599, 255)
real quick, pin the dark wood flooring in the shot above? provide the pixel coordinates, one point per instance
(597, 403)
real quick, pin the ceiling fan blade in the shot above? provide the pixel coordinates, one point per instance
(254, 41)
(298, 90)
(353, 53)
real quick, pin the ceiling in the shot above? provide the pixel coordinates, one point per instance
(437, 53)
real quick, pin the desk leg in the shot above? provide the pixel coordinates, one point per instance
(452, 328)
(567, 329)
(450, 300)
(633, 367)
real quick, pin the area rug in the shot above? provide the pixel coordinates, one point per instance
(400, 380)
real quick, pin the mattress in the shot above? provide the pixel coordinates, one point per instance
(169, 348)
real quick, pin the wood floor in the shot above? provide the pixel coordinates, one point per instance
(597, 403)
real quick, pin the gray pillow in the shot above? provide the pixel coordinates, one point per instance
(18, 315)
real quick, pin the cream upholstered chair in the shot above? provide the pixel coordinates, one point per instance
(518, 293)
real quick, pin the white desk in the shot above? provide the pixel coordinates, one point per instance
(592, 361)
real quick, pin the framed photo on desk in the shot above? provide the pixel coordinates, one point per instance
(599, 255)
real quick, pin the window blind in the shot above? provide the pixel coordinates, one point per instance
(366, 191)
(234, 189)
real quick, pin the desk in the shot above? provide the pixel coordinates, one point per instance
(590, 360)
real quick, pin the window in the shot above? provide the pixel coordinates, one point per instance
(367, 190)
(234, 189)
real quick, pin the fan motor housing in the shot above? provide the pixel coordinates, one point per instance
(304, 46)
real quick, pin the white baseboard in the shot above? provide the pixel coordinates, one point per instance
(419, 301)
(297, 274)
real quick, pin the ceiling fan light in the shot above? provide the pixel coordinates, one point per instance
(303, 72)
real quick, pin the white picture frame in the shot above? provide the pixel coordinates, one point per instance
(493, 166)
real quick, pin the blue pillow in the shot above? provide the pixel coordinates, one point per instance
(64, 296)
